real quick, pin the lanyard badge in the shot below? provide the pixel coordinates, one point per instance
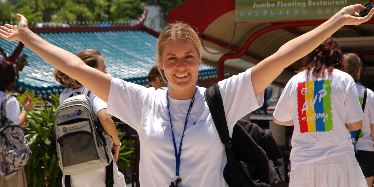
(176, 182)
(177, 152)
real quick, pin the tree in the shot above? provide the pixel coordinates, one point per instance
(166, 5)
(124, 10)
(6, 12)
(73, 10)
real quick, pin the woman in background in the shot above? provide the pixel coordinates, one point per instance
(14, 113)
(321, 103)
(352, 64)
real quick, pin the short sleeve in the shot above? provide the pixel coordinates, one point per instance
(369, 108)
(13, 110)
(126, 102)
(98, 104)
(238, 97)
(283, 109)
(352, 104)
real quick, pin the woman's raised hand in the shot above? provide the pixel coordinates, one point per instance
(12, 32)
(351, 16)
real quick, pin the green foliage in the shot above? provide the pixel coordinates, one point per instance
(6, 12)
(124, 10)
(35, 100)
(126, 153)
(42, 169)
(72, 10)
(166, 5)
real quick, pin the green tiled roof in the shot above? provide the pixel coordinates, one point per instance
(129, 55)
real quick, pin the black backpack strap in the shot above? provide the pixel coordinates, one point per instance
(358, 132)
(67, 180)
(109, 181)
(216, 108)
(363, 109)
(215, 104)
(364, 101)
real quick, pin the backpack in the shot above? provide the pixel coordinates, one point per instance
(253, 157)
(82, 145)
(14, 150)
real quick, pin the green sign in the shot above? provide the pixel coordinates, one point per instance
(280, 10)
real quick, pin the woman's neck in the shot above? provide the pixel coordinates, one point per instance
(182, 94)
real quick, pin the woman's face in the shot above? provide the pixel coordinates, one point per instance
(180, 61)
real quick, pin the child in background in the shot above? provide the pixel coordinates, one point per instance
(13, 113)
(95, 178)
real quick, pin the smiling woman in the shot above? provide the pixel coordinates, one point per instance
(179, 55)
(180, 145)
(180, 62)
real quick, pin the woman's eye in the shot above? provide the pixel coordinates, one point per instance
(171, 59)
(189, 57)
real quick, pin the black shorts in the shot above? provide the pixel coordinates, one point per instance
(366, 161)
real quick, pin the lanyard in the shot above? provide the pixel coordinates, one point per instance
(178, 153)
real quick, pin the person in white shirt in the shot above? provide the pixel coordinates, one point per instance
(96, 178)
(321, 103)
(352, 64)
(179, 143)
(13, 113)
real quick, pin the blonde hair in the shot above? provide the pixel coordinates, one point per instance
(89, 56)
(352, 64)
(178, 31)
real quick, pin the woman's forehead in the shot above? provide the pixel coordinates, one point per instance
(173, 46)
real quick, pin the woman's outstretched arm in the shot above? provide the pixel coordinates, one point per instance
(268, 69)
(93, 79)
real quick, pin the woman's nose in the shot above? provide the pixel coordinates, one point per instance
(181, 62)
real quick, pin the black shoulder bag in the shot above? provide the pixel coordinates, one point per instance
(247, 164)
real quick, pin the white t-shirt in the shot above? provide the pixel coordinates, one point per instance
(365, 142)
(94, 178)
(12, 108)
(203, 156)
(319, 110)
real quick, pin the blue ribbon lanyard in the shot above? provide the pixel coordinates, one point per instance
(178, 153)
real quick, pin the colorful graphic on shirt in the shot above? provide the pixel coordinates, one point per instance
(314, 106)
(361, 99)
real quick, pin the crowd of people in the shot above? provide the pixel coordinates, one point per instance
(179, 145)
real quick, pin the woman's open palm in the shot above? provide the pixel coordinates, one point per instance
(12, 32)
